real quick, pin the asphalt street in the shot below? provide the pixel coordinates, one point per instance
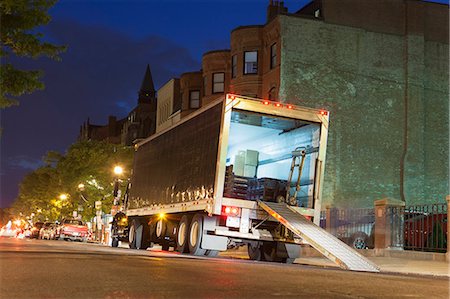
(61, 269)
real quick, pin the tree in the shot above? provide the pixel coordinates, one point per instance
(19, 37)
(87, 162)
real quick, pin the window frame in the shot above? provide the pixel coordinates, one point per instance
(205, 85)
(273, 55)
(214, 83)
(190, 99)
(234, 60)
(257, 69)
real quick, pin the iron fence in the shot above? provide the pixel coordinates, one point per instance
(425, 227)
(353, 226)
(419, 227)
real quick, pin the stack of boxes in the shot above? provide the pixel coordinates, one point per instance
(246, 163)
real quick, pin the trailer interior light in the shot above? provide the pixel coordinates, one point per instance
(323, 112)
(289, 106)
(266, 102)
(278, 105)
(231, 211)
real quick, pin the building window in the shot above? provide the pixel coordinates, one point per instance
(273, 56)
(251, 62)
(194, 99)
(218, 82)
(233, 66)
(205, 84)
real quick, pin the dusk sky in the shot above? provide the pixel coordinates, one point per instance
(109, 45)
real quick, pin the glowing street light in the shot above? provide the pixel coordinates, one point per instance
(81, 186)
(63, 196)
(118, 170)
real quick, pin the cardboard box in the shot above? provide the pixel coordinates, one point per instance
(249, 171)
(239, 163)
(251, 157)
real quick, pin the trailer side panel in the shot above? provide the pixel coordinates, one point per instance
(179, 165)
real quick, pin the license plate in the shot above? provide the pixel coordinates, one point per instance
(233, 221)
(75, 234)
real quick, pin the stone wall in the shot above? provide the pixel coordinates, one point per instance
(359, 76)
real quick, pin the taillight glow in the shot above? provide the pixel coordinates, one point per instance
(278, 105)
(323, 112)
(266, 102)
(231, 211)
(289, 106)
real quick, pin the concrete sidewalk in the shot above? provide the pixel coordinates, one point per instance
(391, 265)
(386, 264)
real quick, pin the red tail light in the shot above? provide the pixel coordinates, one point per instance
(266, 102)
(323, 112)
(231, 211)
(290, 106)
(278, 105)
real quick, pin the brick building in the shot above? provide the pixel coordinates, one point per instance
(379, 67)
(138, 124)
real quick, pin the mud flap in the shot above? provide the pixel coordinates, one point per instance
(212, 242)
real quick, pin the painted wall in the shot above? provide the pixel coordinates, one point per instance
(360, 77)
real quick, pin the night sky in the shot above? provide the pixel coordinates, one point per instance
(109, 45)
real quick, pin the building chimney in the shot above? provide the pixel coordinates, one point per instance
(275, 8)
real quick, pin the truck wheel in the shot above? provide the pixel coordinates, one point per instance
(195, 235)
(135, 235)
(182, 235)
(212, 253)
(115, 242)
(269, 252)
(160, 229)
(254, 251)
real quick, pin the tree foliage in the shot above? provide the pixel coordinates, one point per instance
(19, 37)
(87, 162)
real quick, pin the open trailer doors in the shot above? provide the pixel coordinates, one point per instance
(271, 131)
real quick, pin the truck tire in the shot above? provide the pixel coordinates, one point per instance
(270, 253)
(182, 235)
(212, 253)
(115, 242)
(135, 235)
(160, 229)
(254, 251)
(195, 235)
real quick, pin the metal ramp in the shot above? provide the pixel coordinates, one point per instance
(327, 244)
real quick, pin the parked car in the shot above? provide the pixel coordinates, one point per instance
(48, 231)
(35, 230)
(72, 229)
(357, 233)
(425, 231)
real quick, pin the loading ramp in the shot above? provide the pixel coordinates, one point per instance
(330, 246)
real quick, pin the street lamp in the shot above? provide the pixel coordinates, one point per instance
(63, 196)
(81, 186)
(118, 170)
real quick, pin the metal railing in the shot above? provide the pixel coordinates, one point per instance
(353, 226)
(424, 227)
(419, 227)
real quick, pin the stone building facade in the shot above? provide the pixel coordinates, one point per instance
(379, 67)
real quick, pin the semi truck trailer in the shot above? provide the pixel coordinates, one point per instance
(238, 171)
